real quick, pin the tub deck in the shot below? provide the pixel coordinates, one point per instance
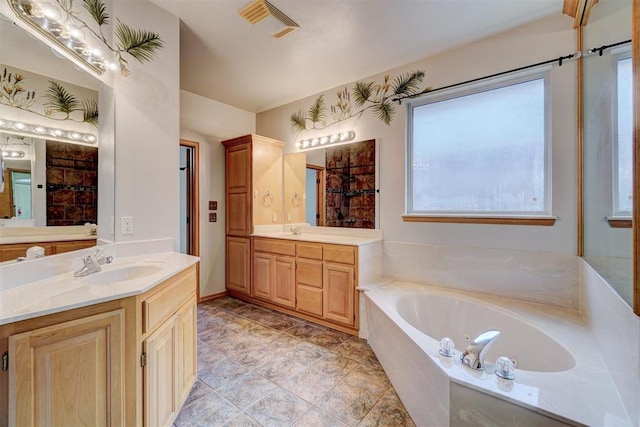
(441, 391)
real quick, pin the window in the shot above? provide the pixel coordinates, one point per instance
(623, 171)
(481, 151)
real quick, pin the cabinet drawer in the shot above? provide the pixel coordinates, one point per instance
(162, 304)
(309, 300)
(274, 246)
(340, 254)
(309, 273)
(309, 250)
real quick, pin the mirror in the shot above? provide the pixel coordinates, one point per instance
(52, 183)
(333, 186)
(56, 179)
(607, 146)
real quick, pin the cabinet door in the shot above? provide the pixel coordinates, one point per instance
(284, 286)
(13, 251)
(263, 271)
(187, 350)
(339, 293)
(238, 190)
(237, 264)
(62, 247)
(69, 374)
(160, 385)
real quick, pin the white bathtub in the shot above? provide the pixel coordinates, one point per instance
(561, 376)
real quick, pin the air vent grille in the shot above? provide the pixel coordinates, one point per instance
(261, 9)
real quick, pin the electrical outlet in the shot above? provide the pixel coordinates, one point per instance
(213, 217)
(213, 205)
(127, 225)
(274, 217)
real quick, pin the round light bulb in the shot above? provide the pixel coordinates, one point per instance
(20, 126)
(90, 138)
(39, 129)
(50, 12)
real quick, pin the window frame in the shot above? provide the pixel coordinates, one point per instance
(617, 216)
(544, 217)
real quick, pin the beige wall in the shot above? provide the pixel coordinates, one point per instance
(208, 122)
(541, 40)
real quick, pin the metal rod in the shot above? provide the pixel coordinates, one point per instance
(601, 49)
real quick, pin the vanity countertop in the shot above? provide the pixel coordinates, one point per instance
(320, 238)
(45, 238)
(12, 235)
(64, 292)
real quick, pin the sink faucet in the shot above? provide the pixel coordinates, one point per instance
(92, 262)
(296, 230)
(473, 355)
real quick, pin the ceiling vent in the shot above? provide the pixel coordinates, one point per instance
(261, 9)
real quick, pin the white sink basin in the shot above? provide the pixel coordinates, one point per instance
(121, 274)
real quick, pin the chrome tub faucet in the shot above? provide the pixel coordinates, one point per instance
(473, 356)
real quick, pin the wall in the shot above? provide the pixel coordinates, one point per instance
(208, 122)
(147, 114)
(616, 330)
(506, 253)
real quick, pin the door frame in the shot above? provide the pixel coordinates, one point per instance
(193, 198)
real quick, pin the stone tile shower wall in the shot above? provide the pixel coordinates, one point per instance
(72, 184)
(351, 185)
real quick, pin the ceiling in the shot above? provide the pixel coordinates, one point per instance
(225, 58)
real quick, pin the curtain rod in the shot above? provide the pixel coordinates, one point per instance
(559, 60)
(601, 49)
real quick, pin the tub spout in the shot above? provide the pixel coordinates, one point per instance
(474, 354)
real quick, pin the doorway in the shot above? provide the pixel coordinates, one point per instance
(315, 195)
(189, 199)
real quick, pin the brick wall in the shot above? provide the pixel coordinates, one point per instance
(72, 184)
(350, 187)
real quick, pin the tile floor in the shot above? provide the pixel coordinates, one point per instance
(257, 367)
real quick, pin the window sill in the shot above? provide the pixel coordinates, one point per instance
(500, 220)
(619, 222)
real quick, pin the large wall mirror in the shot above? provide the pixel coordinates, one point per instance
(59, 167)
(333, 186)
(608, 145)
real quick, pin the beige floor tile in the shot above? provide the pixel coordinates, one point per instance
(280, 369)
(276, 368)
(212, 411)
(316, 418)
(278, 409)
(246, 390)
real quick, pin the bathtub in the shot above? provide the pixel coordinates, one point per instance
(561, 378)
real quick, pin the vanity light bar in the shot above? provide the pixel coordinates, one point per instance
(59, 27)
(336, 138)
(47, 132)
(12, 154)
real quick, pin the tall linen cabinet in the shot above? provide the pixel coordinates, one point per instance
(253, 196)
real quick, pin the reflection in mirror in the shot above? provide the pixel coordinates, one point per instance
(51, 119)
(64, 178)
(333, 186)
(607, 182)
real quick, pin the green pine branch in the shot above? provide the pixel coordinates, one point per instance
(379, 98)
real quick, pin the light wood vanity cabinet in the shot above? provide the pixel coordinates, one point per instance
(274, 271)
(168, 347)
(316, 280)
(69, 373)
(253, 196)
(12, 251)
(130, 361)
